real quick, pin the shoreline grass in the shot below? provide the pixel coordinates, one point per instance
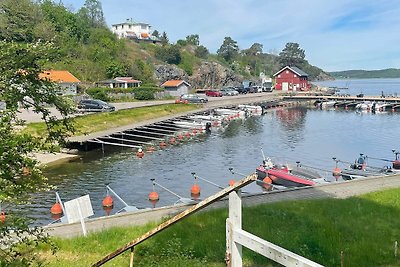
(364, 228)
(96, 122)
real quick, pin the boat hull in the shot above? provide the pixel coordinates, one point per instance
(283, 178)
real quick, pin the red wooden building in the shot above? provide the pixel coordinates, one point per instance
(291, 79)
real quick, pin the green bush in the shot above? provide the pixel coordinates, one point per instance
(98, 93)
(144, 94)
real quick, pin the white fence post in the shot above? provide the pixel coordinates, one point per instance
(234, 222)
(236, 238)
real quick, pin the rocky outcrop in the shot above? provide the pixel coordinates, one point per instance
(213, 75)
(169, 72)
(207, 75)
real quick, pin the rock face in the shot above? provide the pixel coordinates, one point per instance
(169, 72)
(214, 75)
(207, 75)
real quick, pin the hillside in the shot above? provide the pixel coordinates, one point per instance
(88, 49)
(366, 74)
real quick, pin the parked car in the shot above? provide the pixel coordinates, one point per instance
(229, 91)
(242, 89)
(94, 105)
(192, 98)
(215, 93)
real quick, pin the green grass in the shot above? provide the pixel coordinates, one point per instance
(364, 228)
(107, 120)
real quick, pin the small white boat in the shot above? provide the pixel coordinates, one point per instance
(328, 104)
(364, 106)
(230, 113)
(251, 108)
(191, 124)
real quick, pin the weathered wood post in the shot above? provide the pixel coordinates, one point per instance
(234, 222)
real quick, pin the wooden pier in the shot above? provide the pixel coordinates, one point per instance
(342, 99)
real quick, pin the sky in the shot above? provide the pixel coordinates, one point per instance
(335, 34)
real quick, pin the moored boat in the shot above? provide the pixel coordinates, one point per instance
(282, 177)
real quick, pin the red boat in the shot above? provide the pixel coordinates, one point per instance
(282, 177)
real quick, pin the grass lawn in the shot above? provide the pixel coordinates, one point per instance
(363, 228)
(106, 120)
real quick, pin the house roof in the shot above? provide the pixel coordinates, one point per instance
(60, 76)
(131, 23)
(174, 83)
(294, 69)
(127, 80)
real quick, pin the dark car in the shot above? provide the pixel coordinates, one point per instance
(213, 93)
(192, 98)
(94, 105)
(242, 89)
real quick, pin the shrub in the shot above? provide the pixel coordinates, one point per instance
(144, 94)
(98, 93)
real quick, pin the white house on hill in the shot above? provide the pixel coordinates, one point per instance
(134, 30)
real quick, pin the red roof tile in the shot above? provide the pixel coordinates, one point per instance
(59, 76)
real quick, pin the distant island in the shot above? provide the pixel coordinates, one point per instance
(366, 74)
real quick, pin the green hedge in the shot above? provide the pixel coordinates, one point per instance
(141, 93)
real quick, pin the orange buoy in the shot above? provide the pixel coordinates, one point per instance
(172, 140)
(231, 182)
(56, 209)
(195, 190)
(163, 144)
(153, 196)
(107, 201)
(177, 101)
(140, 153)
(2, 217)
(336, 171)
(267, 183)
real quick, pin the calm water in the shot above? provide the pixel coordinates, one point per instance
(309, 135)
(366, 86)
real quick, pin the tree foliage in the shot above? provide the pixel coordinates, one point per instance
(193, 39)
(17, 20)
(201, 52)
(229, 49)
(20, 175)
(292, 55)
(93, 11)
(170, 54)
(164, 39)
(255, 50)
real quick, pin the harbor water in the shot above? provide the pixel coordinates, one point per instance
(308, 135)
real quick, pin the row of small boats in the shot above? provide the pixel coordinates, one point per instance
(219, 117)
(276, 176)
(362, 106)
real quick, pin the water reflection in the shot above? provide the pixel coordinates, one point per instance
(292, 122)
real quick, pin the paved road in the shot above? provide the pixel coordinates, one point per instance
(30, 116)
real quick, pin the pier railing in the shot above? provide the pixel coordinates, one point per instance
(235, 236)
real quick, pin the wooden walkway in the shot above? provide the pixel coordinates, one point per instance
(304, 97)
(331, 190)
